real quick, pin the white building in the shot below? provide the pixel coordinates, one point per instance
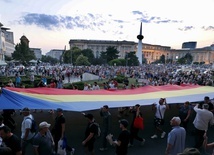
(55, 53)
(37, 53)
(2, 46)
(99, 46)
(9, 41)
(151, 52)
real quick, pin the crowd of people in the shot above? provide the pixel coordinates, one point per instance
(45, 140)
(151, 74)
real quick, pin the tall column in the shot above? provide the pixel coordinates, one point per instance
(140, 46)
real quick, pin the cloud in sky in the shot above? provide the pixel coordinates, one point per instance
(208, 28)
(143, 17)
(88, 21)
(186, 28)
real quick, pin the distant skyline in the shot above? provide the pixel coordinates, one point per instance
(51, 24)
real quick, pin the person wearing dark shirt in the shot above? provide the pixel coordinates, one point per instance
(106, 126)
(8, 120)
(133, 130)
(184, 114)
(90, 132)
(10, 140)
(43, 140)
(207, 101)
(123, 139)
(59, 127)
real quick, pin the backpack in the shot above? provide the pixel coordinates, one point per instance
(98, 130)
(33, 125)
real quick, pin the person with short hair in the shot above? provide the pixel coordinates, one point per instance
(26, 134)
(96, 86)
(159, 117)
(106, 126)
(123, 139)
(207, 101)
(184, 114)
(90, 132)
(10, 140)
(176, 138)
(133, 130)
(58, 130)
(43, 141)
(202, 119)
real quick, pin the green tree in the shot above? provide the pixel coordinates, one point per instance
(89, 54)
(71, 55)
(82, 60)
(110, 54)
(162, 59)
(187, 59)
(131, 59)
(49, 59)
(117, 62)
(23, 53)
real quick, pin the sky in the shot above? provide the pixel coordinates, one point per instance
(50, 24)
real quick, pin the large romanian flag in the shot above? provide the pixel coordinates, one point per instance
(77, 100)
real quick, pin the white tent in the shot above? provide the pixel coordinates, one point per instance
(33, 61)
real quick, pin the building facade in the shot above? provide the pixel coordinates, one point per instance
(99, 46)
(37, 53)
(55, 53)
(151, 52)
(2, 46)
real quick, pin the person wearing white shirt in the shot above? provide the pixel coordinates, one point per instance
(202, 119)
(96, 86)
(26, 134)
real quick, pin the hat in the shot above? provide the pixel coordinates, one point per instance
(25, 109)
(190, 151)
(124, 122)
(137, 105)
(59, 110)
(44, 125)
(89, 116)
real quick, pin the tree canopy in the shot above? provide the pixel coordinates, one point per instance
(23, 53)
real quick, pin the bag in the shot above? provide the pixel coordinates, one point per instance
(139, 123)
(98, 130)
(61, 147)
(33, 125)
(162, 122)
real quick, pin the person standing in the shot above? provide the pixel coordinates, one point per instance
(207, 101)
(123, 139)
(10, 140)
(58, 130)
(184, 114)
(26, 134)
(18, 80)
(176, 138)
(133, 130)
(159, 117)
(43, 141)
(8, 120)
(90, 132)
(106, 115)
(202, 119)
